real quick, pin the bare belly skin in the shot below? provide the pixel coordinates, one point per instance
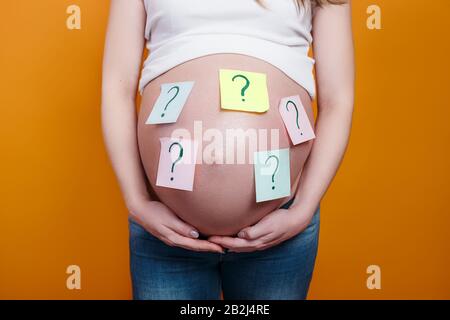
(223, 200)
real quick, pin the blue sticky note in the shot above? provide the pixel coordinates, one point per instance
(170, 102)
(272, 174)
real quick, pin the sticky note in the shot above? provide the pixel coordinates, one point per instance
(177, 161)
(243, 91)
(272, 174)
(296, 120)
(170, 102)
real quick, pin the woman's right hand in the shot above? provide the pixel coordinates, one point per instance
(164, 224)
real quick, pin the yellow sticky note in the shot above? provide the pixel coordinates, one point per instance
(243, 91)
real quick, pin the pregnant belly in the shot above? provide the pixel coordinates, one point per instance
(223, 199)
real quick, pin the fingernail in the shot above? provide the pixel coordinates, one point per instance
(194, 234)
(241, 234)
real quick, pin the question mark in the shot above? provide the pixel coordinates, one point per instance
(177, 88)
(276, 169)
(247, 84)
(180, 155)
(296, 111)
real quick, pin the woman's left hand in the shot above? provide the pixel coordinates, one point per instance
(271, 230)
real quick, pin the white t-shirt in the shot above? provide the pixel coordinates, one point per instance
(180, 30)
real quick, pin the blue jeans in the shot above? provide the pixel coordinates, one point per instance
(282, 272)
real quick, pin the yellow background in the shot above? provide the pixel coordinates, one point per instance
(61, 205)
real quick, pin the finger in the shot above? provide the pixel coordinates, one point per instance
(260, 247)
(273, 243)
(228, 242)
(193, 244)
(241, 245)
(276, 241)
(183, 228)
(256, 231)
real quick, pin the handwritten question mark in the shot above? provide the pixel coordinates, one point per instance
(180, 155)
(276, 169)
(177, 88)
(296, 111)
(247, 84)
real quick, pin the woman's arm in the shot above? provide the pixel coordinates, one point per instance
(121, 66)
(333, 50)
(121, 69)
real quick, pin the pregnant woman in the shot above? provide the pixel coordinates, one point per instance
(216, 239)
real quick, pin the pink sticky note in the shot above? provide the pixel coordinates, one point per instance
(176, 166)
(296, 120)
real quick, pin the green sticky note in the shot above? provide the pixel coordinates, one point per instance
(243, 91)
(272, 174)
